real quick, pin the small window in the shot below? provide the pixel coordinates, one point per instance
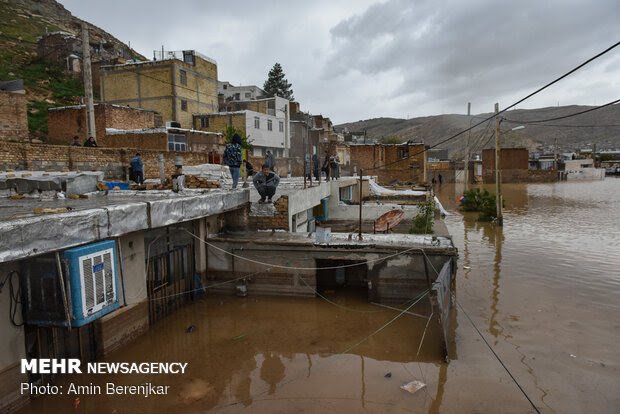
(225, 86)
(403, 153)
(183, 105)
(237, 96)
(204, 122)
(281, 126)
(183, 77)
(269, 125)
(177, 142)
(248, 95)
(256, 122)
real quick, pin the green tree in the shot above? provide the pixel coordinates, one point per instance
(423, 221)
(276, 84)
(230, 131)
(480, 201)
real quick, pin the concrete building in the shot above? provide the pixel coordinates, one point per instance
(150, 238)
(264, 121)
(228, 92)
(178, 84)
(13, 111)
(404, 163)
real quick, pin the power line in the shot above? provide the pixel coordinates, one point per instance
(564, 116)
(505, 109)
(498, 358)
(295, 267)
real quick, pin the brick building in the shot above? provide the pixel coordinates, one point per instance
(404, 163)
(65, 122)
(177, 85)
(168, 139)
(514, 163)
(13, 111)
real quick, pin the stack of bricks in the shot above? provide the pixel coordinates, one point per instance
(193, 181)
(277, 221)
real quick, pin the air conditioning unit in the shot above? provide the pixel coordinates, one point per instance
(173, 124)
(91, 284)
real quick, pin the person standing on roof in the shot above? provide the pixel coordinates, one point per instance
(232, 158)
(266, 182)
(76, 142)
(137, 168)
(269, 161)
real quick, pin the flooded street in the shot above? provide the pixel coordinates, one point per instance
(543, 291)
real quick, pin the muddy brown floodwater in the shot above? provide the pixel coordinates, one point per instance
(544, 292)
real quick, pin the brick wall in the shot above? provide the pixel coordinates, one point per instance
(219, 123)
(278, 221)
(13, 116)
(154, 141)
(513, 163)
(157, 85)
(384, 161)
(112, 161)
(524, 176)
(63, 124)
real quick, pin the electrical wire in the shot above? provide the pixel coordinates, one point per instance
(557, 118)
(14, 297)
(497, 356)
(419, 298)
(295, 267)
(503, 110)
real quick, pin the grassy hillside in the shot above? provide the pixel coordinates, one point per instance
(47, 85)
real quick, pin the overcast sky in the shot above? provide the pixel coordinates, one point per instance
(361, 59)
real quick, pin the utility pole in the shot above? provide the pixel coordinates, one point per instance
(360, 196)
(467, 148)
(498, 174)
(88, 83)
(555, 154)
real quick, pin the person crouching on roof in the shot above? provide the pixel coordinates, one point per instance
(266, 182)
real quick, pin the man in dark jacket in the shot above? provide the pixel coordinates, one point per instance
(232, 158)
(137, 168)
(266, 182)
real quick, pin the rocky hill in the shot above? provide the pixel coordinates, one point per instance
(47, 84)
(601, 127)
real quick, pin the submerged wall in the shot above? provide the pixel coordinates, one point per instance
(393, 280)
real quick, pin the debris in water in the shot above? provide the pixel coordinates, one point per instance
(190, 329)
(413, 386)
(236, 338)
(388, 375)
(194, 390)
(573, 356)
(466, 267)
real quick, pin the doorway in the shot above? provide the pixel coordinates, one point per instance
(342, 277)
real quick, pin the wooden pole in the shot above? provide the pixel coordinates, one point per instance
(467, 147)
(498, 174)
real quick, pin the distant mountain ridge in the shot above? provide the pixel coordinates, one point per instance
(600, 127)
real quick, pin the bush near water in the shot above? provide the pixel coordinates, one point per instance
(480, 201)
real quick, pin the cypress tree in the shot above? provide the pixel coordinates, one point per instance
(276, 84)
